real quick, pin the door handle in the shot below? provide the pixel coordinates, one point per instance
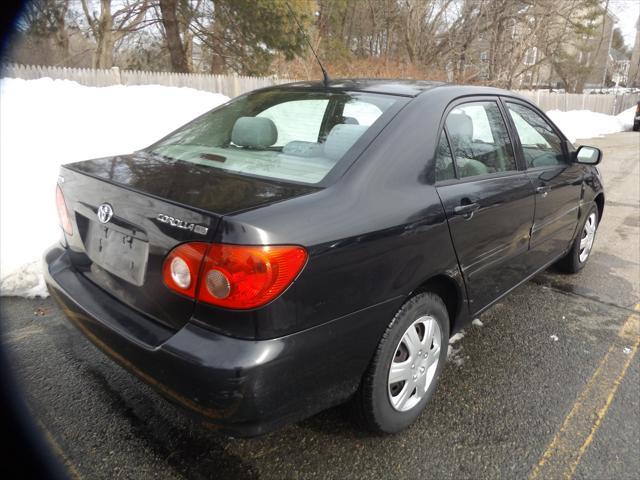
(544, 190)
(466, 209)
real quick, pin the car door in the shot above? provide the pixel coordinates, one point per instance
(557, 181)
(487, 199)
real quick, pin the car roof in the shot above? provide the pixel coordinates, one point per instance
(406, 88)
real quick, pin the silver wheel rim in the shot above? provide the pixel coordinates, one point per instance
(586, 240)
(414, 363)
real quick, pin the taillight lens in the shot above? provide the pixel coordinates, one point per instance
(63, 213)
(235, 276)
(182, 266)
(180, 273)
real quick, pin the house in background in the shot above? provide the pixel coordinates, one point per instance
(618, 67)
(597, 53)
(583, 62)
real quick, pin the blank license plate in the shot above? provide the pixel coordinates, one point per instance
(122, 255)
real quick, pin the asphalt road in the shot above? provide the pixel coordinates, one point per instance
(548, 382)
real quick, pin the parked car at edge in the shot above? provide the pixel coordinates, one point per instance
(309, 244)
(636, 118)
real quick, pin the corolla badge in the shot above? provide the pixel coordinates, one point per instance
(105, 212)
(184, 225)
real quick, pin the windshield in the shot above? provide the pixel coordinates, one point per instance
(285, 135)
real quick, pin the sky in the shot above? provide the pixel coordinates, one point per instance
(627, 12)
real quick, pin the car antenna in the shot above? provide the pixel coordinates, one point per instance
(325, 76)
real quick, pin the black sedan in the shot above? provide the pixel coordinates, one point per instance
(309, 244)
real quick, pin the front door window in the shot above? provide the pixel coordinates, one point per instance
(541, 146)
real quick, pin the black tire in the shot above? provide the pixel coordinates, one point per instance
(571, 263)
(636, 126)
(372, 404)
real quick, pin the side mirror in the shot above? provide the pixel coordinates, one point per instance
(588, 155)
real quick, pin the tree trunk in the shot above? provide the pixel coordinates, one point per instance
(168, 9)
(103, 33)
(104, 55)
(61, 32)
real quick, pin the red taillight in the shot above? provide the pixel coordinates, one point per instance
(63, 213)
(235, 276)
(255, 275)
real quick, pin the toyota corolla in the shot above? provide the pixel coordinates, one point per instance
(309, 244)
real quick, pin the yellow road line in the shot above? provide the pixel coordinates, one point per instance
(21, 333)
(563, 454)
(55, 446)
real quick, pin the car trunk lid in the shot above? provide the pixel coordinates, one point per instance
(153, 204)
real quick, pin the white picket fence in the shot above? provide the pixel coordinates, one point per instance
(234, 85)
(229, 85)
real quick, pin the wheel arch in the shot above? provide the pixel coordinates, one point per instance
(599, 201)
(451, 291)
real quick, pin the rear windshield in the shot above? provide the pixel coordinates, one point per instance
(285, 135)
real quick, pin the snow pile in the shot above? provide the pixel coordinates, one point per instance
(457, 337)
(587, 124)
(454, 354)
(45, 123)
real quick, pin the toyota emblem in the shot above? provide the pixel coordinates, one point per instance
(105, 212)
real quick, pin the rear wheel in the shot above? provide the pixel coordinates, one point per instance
(404, 371)
(580, 251)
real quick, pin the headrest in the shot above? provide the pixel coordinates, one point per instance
(350, 121)
(341, 138)
(254, 132)
(460, 126)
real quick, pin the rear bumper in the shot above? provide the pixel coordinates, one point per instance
(241, 387)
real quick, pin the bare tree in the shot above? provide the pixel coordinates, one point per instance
(110, 28)
(48, 18)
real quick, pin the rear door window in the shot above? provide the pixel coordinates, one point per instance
(297, 121)
(479, 139)
(362, 113)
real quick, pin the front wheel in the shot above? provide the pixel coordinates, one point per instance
(404, 371)
(580, 251)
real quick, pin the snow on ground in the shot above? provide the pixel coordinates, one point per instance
(587, 124)
(45, 123)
